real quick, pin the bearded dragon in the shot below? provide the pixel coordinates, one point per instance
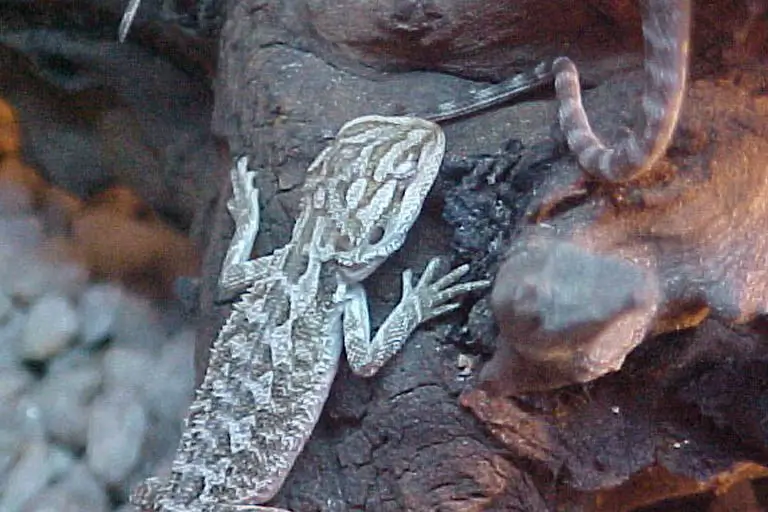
(273, 362)
(666, 34)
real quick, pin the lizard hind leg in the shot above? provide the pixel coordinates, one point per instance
(666, 31)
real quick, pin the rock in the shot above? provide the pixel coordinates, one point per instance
(64, 397)
(98, 308)
(38, 465)
(169, 388)
(6, 306)
(78, 491)
(128, 368)
(51, 326)
(116, 430)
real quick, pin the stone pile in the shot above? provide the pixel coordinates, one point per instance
(94, 382)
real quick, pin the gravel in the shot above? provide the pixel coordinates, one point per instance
(94, 382)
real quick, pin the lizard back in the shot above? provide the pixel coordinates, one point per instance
(273, 363)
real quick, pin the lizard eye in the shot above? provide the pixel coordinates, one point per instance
(376, 234)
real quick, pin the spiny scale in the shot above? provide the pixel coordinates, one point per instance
(272, 365)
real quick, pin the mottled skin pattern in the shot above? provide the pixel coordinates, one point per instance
(491, 96)
(666, 32)
(272, 365)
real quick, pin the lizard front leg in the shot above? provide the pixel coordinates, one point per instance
(238, 270)
(429, 298)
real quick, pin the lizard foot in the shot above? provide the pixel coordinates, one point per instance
(244, 203)
(432, 295)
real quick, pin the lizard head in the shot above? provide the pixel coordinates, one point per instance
(371, 184)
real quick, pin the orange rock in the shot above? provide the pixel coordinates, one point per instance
(121, 239)
(115, 234)
(656, 484)
(59, 208)
(124, 202)
(23, 185)
(10, 138)
(15, 173)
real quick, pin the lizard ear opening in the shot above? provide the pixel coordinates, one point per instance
(343, 242)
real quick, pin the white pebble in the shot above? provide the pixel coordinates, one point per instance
(170, 386)
(51, 326)
(6, 307)
(12, 438)
(20, 236)
(64, 399)
(38, 465)
(35, 278)
(116, 431)
(128, 368)
(137, 325)
(78, 491)
(72, 437)
(98, 308)
(10, 340)
(13, 381)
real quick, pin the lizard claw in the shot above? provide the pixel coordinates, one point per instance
(432, 294)
(244, 203)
